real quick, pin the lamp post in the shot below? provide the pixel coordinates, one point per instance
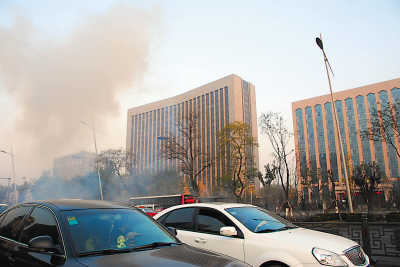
(97, 164)
(321, 46)
(11, 154)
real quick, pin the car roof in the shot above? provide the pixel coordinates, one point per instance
(217, 205)
(79, 204)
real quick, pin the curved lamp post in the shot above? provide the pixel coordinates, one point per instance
(318, 40)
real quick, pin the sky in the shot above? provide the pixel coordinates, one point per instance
(186, 44)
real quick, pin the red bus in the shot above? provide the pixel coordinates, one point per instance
(161, 202)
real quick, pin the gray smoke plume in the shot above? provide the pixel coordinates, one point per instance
(57, 83)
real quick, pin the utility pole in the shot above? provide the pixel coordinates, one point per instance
(11, 154)
(343, 159)
(97, 164)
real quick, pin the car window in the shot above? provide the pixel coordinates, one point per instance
(40, 222)
(11, 225)
(210, 221)
(259, 220)
(102, 229)
(181, 219)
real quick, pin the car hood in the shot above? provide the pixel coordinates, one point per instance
(181, 255)
(306, 239)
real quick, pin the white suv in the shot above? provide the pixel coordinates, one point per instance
(258, 237)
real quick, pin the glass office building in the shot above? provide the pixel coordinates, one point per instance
(317, 141)
(217, 104)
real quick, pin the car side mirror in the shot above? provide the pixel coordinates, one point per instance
(228, 231)
(43, 243)
(172, 231)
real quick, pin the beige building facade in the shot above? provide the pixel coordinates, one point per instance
(317, 142)
(217, 104)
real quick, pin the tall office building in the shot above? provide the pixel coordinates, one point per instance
(317, 141)
(217, 104)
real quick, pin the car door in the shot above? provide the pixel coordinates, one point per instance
(41, 221)
(208, 222)
(182, 220)
(10, 228)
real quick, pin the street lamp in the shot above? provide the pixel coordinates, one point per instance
(11, 154)
(321, 46)
(97, 164)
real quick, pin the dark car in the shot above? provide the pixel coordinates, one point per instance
(93, 233)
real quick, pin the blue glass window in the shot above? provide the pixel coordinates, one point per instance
(158, 142)
(392, 156)
(301, 143)
(217, 105)
(377, 144)
(362, 120)
(330, 126)
(396, 102)
(203, 135)
(339, 112)
(228, 149)
(162, 127)
(311, 144)
(352, 132)
(222, 119)
(212, 153)
(321, 141)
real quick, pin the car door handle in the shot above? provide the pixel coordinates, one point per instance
(200, 240)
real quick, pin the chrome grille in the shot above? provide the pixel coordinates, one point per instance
(355, 255)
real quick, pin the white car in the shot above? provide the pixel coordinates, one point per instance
(258, 237)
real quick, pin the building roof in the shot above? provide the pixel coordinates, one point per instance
(385, 85)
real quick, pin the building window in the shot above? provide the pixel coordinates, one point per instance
(218, 167)
(203, 135)
(339, 112)
(352, 132)
(362, 121)
(377, 144)
(321, 141)
(222, 119)
(158, 142)
(208, 137)
(330, 127)
(392, 156)
(311, 144)
(301, 143)
(228, 150)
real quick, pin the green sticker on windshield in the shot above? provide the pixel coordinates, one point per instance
(72, 221)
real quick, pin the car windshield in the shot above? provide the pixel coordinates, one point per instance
(259, 220)
(113, 230)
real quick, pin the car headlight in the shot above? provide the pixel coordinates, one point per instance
(329, 258)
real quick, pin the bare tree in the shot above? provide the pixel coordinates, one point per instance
(237, 137)
(184, 146)
(274, 127)
(384, 125)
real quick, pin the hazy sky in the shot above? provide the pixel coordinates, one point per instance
(268, 43)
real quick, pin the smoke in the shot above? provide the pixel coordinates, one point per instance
(56, 83)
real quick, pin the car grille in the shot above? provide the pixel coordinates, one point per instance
(355, 255)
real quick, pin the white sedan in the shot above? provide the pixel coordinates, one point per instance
(258, 237)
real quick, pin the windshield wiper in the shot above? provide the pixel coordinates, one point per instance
(276, 230)
(156, 245)
(104, 252)
(125, 250)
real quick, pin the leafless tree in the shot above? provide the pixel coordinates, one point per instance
(184, 147)
(385, 125)
(274, 127)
